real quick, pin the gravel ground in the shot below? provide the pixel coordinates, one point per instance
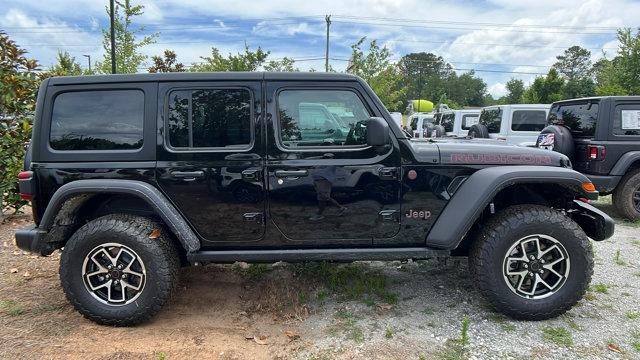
(372, 310)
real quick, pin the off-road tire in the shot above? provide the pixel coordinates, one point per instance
(506, 228)
(440, 131)
(478, 131)
(624, 193)
(159, 255)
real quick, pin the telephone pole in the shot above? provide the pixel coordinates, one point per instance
(113, 36)
(88, 60)
(327, 18)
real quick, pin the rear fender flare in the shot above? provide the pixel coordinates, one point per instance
(147, 192)
(625, 161)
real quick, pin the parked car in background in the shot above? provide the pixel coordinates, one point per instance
(455, 122)
(420, 125)
(601, 136)
(517, 124)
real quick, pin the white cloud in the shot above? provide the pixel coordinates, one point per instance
(497, 90)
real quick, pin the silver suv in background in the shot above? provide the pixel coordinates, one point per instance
(516, 124)
(420, 125)
(455, 122)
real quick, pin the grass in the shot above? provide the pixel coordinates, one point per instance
(635, 242)
(508, 327)
(161, 355)
(618, 259)
(427, 311)
(253, 271)
(11, 307)
(347, 324)
(354, 281)
(456, 349)
(632, 315)
(388, 333)
(558, 335)
(635, 340)
(600, 288)
(574, 325)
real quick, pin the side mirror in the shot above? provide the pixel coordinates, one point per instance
(377, 132)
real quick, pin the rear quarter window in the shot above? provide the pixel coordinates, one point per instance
(528, 120)
(579, 118)
(97, 120)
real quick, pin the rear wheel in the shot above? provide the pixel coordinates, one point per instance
(532, 262)
(626, 196)
(119, 269)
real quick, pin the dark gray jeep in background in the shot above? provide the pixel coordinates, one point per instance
(133, 176)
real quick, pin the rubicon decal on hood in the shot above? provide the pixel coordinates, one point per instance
(510, 159)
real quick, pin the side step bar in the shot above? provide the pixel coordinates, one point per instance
(301, 255)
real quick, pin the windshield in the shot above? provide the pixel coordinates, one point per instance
(579, 118)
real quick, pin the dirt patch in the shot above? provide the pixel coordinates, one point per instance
(373, 310)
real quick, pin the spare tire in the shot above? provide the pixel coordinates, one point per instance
(440, 131)
(557, 138)
(428, 130)
(478, 131)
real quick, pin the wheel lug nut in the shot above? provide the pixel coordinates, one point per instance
(120, 266)
(124, 276)
(541, 271)
(108, 276)
(530, 273)
(525, 266)
(532, 257)
(541, 261)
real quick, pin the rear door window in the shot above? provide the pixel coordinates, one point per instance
(626, 121)
(528, 120)
(97, 120)
(491, 118)
(579, 118)
(209, 118)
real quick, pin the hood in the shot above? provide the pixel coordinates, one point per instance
(465, 152)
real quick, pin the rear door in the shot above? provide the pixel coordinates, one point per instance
(210, 162)
(335, 190)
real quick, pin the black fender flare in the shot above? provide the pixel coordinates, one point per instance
(477, 191)
(147, 192)
(625, 161)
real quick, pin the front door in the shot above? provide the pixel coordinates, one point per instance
(211, 162)
(325, 183)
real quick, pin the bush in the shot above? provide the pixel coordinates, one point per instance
(18, 85)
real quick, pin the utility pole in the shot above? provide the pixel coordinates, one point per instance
(88, 60)
(113, 36)
(327, 18)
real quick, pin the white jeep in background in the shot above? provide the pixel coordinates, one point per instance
(518, 124)
(420, 125)
(455, 122)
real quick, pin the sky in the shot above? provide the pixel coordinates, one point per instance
(499, 39)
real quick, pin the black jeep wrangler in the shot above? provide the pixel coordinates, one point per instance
(601, 136)
(133, 176)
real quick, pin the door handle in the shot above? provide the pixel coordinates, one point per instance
(291, 173)
(252, 216)
(187, 174)
(388, 173)
(250, 174)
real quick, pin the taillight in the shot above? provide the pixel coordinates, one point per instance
(597, 152)
(24, 178)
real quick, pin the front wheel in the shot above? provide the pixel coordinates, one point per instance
(119, 269)
(532, 262)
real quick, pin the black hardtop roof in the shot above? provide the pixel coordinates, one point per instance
(594, 98)
(210, 76)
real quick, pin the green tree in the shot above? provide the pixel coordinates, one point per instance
(424, 75)
(18, 85)
(65, 65)
(377, 69)
(283, 65)
(166, 63)
(515, 91)
(465, 89)
(245, 61)
(545, 89)
(627, 63)
(128, 56)
(575, 66)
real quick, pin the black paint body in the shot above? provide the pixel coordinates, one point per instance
(263, 197)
